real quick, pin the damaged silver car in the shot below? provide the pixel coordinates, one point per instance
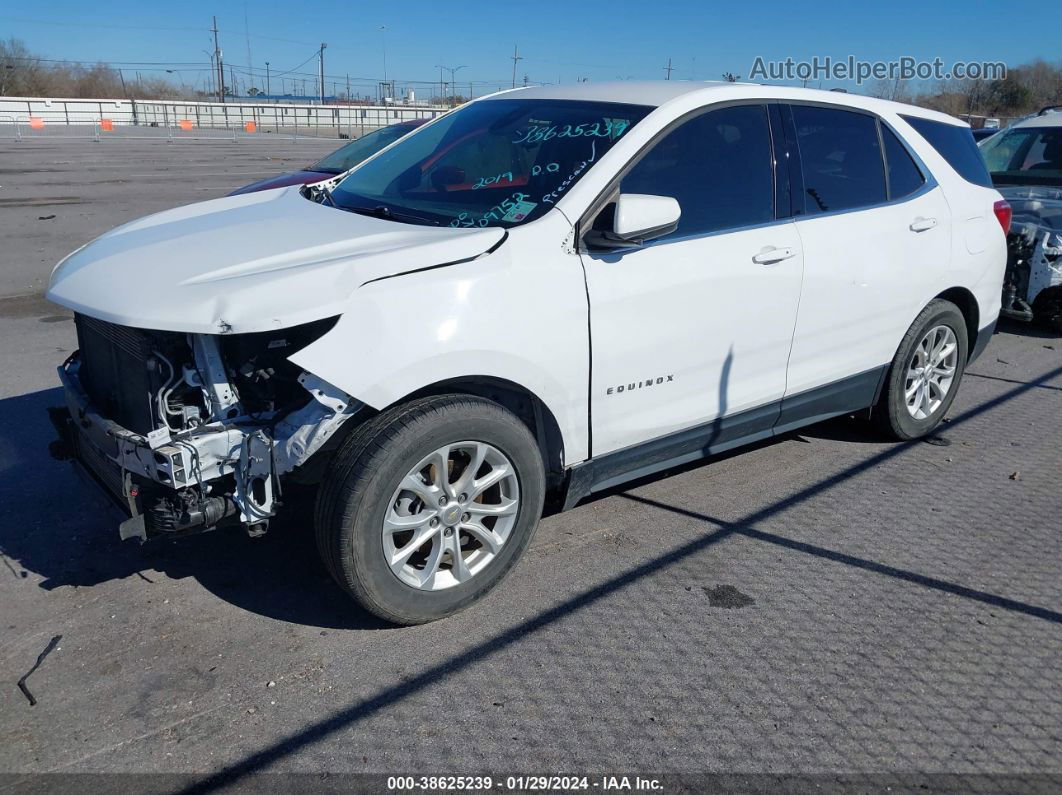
(1025, 162)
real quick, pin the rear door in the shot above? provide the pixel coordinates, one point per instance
(875, 231)
(692, 330)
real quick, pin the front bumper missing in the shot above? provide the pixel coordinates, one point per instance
(100, 471)
(218, 470)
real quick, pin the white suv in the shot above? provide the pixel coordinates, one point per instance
(538, 296)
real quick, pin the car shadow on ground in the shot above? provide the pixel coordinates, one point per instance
(58, 526)
(62, 529)
(1035, 330)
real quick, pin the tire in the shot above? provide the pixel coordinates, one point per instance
(362, 490)
(1047, 309)
(892, 413)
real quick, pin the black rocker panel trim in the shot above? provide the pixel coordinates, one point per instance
(842, 397)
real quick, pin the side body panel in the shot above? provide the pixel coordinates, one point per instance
(979, 247)
(517, 314)
(867, 275)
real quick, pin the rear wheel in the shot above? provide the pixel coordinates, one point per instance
(925, 373)
(429, 505)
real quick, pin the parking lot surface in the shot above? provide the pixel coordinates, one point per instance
(824, 603)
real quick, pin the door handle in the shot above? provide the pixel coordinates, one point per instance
(770, 255)
(921, 224)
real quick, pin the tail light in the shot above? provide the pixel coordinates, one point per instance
(1003, 214)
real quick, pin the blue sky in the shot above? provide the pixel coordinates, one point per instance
(560, 41)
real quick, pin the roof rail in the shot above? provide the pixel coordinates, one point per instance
(1049, 109)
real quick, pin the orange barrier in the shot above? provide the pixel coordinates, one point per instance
(36, 123)
(185, 124)
(250, 127)
(106, 125)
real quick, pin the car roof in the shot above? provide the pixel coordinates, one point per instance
(1048, 119)
(657, 93)
(635, 92)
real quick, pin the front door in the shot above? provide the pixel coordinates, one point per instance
(696, 326)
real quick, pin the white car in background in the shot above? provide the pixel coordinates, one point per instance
(1025, 163)
(541, 295)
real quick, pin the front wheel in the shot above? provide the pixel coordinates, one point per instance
(925, 373)
(429, 505)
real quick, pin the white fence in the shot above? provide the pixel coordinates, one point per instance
(29, 117)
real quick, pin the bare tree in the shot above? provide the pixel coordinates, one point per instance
(26, 74)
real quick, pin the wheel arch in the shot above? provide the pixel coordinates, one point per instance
(521, 401)
(971, 312)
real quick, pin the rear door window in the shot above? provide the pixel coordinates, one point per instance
(840, 156)
(956, 145)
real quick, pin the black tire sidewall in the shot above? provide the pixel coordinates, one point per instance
(938, 313)
(363, 500)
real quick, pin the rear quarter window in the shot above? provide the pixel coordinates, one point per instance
(956, 145)
(904, 175)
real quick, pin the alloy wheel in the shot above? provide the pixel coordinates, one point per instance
(931, 372)
(450, 516)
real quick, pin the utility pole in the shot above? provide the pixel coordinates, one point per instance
(348, 89)
(668, 69)
(268, 92)
(221, 69)
(516, 57)
(453, 77)
(232, 80)
(383, 40)
(322, 83)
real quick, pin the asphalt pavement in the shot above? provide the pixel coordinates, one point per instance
(826, 603)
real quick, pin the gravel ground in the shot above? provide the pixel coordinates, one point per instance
(827, 603)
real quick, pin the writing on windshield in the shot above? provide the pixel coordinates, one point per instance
(493, 163)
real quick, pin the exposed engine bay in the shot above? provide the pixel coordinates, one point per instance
(1032, 286)
(191, 431)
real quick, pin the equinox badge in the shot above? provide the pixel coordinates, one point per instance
(663, 379)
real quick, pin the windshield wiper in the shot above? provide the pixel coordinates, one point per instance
(387, 214)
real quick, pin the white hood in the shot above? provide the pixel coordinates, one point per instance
(247, 263)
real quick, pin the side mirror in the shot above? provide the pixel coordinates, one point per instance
(636, 218)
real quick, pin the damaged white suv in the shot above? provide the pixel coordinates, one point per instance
(538, 296)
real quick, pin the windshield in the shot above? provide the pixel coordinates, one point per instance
(493, 163)
(346, 157)
(1025, 156)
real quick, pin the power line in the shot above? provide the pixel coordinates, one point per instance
(110, 63)
(254, 71)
